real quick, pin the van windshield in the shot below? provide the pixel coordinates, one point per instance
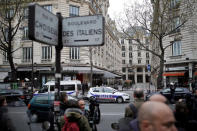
(44, 89)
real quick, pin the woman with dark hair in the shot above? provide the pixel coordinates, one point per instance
(5, 122)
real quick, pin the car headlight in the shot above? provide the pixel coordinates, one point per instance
(125, 95)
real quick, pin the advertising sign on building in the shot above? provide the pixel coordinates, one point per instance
(83, 31)
(43, 25)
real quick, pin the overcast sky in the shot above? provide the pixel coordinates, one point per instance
(117, 6)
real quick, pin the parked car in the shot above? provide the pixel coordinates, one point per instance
(15, 95)
(179, 93)
(108, 94)
(42, 105)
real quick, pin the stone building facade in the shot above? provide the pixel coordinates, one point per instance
(75, 61)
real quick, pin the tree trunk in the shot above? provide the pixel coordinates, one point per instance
(160, 74)
(12, 66)
(10, 55)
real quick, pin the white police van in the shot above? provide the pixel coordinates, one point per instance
(71, 87)
(108, 94)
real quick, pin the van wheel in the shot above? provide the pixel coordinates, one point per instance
(119, 100)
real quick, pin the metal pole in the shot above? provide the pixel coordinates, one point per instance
(91, 64)
(149, 80)
(58, 55)
(32, 73)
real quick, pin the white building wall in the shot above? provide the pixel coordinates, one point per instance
(100, 59)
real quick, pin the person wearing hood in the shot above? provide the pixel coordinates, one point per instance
(74, 114)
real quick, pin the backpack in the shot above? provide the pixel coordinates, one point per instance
(70, 125)
(134, 110)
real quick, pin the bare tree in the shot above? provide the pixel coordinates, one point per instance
(158, 19)
(12, 13)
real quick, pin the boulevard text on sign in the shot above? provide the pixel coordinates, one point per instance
(83, 31)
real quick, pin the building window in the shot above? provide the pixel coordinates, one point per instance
(46, 53)
(6, 34)
(123, 69)
(139, 61)
(25, 33)
(139, 54)
(147, 62)
(147, 41)
(10, 13)
(176, 48)
(123, 48)
(5, 56)
(122, 41)
(130, 70)
(74, 53)
(130, 41)
(147, 47)
(139, 69)
(139, 78)
(130, 55)
(26, 13)
(147, 55)
(123, 61)
(130, 61)
(74, 11)
(176, 24)
(123, 54)
(27, 54)
(130, 48)
(174, 3)
(48, 7)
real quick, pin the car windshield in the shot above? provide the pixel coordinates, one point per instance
(109, 90)
(44, 99)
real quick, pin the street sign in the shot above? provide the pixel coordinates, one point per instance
(148, 67)
(43, 25)
(83, 31)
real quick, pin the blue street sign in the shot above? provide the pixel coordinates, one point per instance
(148, 67)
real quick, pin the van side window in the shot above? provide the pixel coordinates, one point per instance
(79, 87)
(67, 87)
(52, 88)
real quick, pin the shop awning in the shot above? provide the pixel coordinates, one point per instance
(173, 73)
(35, 69)
(83, 70)
(3, 75)
(108, 74)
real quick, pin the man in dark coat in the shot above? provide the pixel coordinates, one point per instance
(172, 91)
(5, 122)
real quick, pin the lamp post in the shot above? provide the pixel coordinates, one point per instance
(32, 73)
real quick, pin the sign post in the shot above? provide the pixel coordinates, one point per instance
(51, 29)
(46, 27)
(149, 70)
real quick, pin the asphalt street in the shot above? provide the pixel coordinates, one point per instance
(110, 112)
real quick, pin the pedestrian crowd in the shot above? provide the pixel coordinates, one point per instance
(159, 114)
(155, 114)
